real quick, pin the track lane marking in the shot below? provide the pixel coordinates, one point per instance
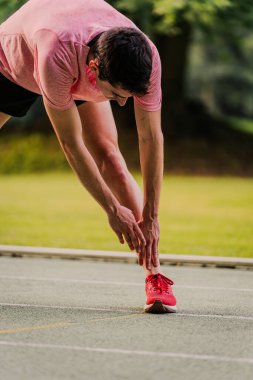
(33, 328)
(164, 354)
(109, 318)
(117, 283)
(61, 324)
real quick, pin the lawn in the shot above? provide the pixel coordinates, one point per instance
(198, 215)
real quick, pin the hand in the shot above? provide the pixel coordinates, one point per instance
(125, 226)
(151, 231)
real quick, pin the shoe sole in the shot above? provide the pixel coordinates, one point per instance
(159, 308)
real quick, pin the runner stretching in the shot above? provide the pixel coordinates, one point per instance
(78, 55)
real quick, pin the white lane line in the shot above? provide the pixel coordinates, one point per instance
(117, 283)
(131, 352)
(134, 311)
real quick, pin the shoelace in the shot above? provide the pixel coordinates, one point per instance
(160, 282)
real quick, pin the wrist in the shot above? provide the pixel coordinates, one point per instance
(112, 207)
(149, 214)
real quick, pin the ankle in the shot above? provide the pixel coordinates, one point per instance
(154, 270)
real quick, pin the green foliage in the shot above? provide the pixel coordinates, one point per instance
(242, 124)
(31, 153)
(7, 7)
(141, 12)
(168, 14)
(193, 11)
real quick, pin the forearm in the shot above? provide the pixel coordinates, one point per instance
(68, 129)
(152, 165)
(87, 171)
(151, 158)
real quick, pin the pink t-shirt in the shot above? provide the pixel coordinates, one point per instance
(43, 48)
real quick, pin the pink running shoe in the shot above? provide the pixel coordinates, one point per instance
(160, 298)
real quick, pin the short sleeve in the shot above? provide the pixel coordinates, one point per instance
(54, 67)
(152, 101)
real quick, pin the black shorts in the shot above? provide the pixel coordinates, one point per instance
(16, 100)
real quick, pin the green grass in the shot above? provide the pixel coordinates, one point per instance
(198, 215)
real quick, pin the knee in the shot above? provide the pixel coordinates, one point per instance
(112, 164)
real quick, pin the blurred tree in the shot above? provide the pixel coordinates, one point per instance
(223, 25)
(170, 23)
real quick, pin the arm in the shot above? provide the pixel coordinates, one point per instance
(68, 128)
(151, 159)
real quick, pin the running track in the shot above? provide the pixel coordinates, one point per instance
(70, 319)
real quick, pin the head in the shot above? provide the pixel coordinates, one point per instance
(122, 62)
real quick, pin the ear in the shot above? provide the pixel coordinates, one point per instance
(93, 65)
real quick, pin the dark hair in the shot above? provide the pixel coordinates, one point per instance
(125, 59)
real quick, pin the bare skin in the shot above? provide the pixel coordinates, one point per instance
(68, 128)
(88, 137)
(101, 139)
(151, 157)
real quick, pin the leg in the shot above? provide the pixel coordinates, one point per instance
(3, 118)
(100, 136)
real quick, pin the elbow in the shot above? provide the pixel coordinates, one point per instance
(70, 144)
(156, 138)
(161, 138)
(67, 147)
(70, 148)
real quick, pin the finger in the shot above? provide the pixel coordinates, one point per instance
(140, 236)
(155, 254)
(155, 260)
(129, 241)
(137, 231)
(120, 237)
(135, 241)
(148, 256)
(141, 255)
(140, 244)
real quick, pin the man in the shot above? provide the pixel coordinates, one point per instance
(78, 56)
